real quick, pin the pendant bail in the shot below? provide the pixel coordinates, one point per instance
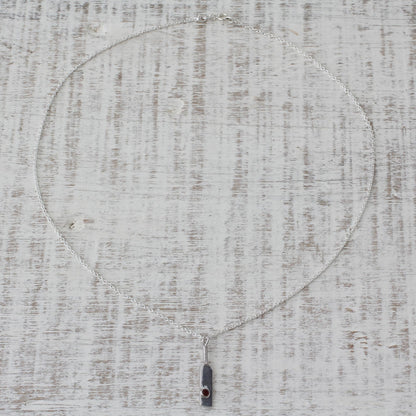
(205, 342)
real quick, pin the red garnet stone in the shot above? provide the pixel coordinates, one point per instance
(205, 392)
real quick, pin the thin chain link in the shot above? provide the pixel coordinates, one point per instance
(204, 338)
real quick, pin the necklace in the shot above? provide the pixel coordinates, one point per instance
(206, 370)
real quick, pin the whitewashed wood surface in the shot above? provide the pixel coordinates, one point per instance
(207, 171)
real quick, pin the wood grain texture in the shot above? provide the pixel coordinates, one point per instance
(208, 171)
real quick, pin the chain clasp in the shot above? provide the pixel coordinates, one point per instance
(224, 16)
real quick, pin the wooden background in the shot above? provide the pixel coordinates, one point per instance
(207, 171)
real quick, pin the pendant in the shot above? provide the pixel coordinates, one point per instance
(206, 378)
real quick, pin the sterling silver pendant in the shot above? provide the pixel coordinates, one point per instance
(206, 378)
(206, 385)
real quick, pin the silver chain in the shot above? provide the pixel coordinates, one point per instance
(204, 338)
